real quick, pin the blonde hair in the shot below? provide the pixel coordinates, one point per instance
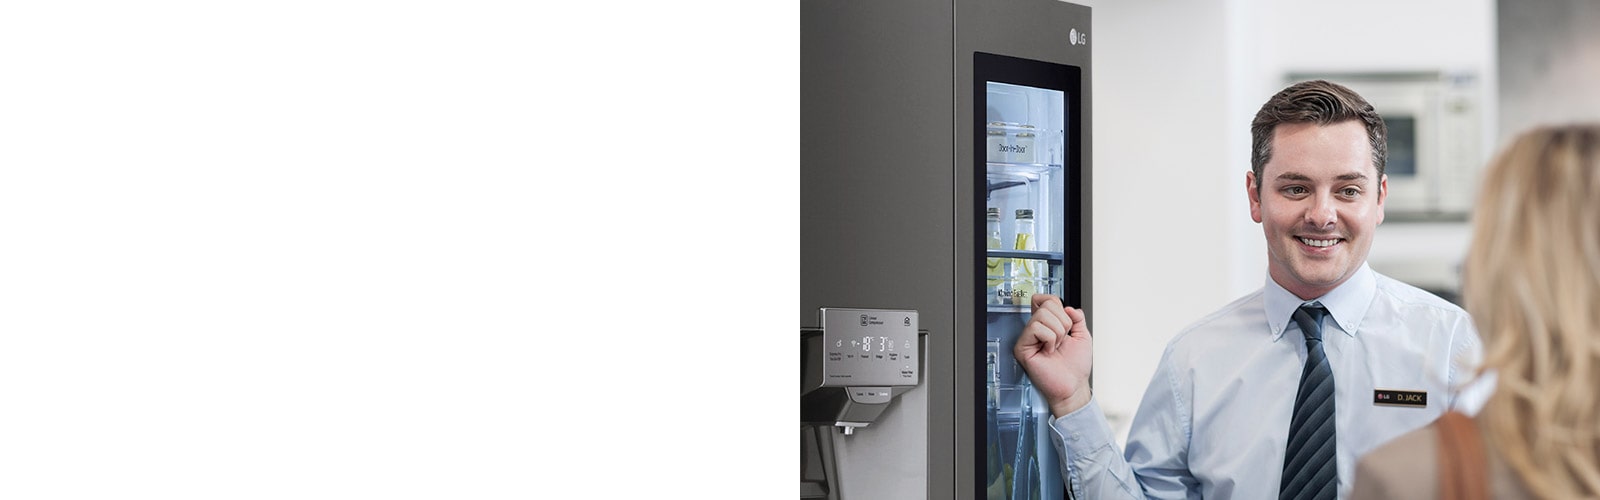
(1532, 283)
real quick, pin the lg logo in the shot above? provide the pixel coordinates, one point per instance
(1078, 38)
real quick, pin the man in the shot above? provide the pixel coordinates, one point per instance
(1276, 394)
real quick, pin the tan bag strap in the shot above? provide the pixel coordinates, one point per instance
(1463, 466)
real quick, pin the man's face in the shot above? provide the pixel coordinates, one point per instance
(1320, 202)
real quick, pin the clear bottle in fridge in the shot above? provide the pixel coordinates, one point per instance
(996, 266)
(1025, 484)
(1024, 272)
(997, 479)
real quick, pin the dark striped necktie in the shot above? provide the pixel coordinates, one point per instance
(1310, 465)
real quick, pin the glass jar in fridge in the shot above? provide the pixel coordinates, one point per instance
(998, 151)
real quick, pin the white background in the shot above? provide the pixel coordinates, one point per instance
(478, 249)
(347, 249)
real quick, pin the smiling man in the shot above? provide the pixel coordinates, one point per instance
(1322, 202)
(1278, 393)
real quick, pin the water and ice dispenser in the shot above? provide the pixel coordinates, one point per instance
(851, 370)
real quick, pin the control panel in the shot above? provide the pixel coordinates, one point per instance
(869, 347)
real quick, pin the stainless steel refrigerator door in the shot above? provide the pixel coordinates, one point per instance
(876, 184)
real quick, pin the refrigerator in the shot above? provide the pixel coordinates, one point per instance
(946, 169)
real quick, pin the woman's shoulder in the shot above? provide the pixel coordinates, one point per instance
(1404, 467)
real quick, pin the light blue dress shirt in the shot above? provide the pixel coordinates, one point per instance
(1215, 420)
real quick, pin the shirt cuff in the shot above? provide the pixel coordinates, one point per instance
(1083, 431)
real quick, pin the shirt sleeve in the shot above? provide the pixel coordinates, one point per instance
(1091, 465)
(1155, 465)
(1466, 352)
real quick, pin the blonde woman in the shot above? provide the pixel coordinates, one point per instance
(1532, 284)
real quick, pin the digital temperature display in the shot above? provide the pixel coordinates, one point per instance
(869, 344)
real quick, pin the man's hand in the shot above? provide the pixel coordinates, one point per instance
(1057, 352)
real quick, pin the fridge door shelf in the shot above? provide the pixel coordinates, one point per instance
(1026, 254)
(1024, 167)
(1015, 294)
(1010, 128)
(1030, 171)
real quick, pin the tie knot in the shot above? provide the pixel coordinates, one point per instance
(1309, 317)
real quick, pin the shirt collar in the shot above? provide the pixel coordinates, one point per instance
(1347, 303)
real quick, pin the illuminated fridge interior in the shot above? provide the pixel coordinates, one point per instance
(1028, 165)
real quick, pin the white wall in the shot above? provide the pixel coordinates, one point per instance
(1175, 86)
(1551, 64)
(1161, 200)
